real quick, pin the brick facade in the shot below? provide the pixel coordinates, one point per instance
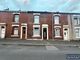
(26, 25)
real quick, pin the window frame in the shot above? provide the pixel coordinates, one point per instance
(58, 20)
(77, 20)
(38, 17)
(77, 31)
(15, 29)
(56, 34)
(34, 34)
(15, 18)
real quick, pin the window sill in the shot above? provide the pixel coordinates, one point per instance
(77, 37)
(58, 36)
(15, 22)
(36, 36)
(36, 23)
(14, 35)
(77, 25)
(57, 24)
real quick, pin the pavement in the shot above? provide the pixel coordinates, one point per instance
(16, 49)
(39, 42)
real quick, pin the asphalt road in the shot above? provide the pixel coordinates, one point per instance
(14, 52)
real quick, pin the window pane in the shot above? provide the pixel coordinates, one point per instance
(15, 31)
(56, 19)
(36, 19)
(16, 18)
(57, 32)
(77, 32)
(36, 31)
(75, 20)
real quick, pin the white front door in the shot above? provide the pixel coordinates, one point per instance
(65, 34)
(2, 32)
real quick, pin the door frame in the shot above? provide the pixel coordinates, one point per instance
(67, 34)
(45, 26)
(23, 25)
(3, 24)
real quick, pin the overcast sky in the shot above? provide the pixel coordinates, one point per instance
(41, 5)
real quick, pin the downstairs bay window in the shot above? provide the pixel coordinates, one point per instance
(15, 32)
(77, 32)
(57, 32)
(36, 31)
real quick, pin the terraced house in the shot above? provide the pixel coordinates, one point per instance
(34, 25)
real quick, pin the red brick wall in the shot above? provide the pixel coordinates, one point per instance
(63, 21)
(45, 18)
(6, 17)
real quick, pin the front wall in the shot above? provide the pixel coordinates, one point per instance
(7, 18)
(63, 21)
(73, 37)
(45, 18)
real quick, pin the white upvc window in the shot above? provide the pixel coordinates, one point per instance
(77, 32)
(57, 32)
(15, 31)
(56, 19)
(16, 18)
(36, 31)
(76, 20)
(36, 19)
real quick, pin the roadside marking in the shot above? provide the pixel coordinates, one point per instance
(51, 48)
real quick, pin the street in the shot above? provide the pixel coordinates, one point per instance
(16, 52)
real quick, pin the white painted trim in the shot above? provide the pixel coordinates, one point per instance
(2, 23)
(67, 35)
(21, 33)
(77, 27)
(25, 25)
(1, 31)
(15, 25)
(65, 26)
(56, 14)
(15, 13)
(39, 30)
(14, 35)
(57, 26)
(76, 15)
(36, 36)
(77, 37)
(58, 36)
(45, 26)
(36, 13)
(36, 25)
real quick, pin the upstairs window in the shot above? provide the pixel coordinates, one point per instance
(36, 19)
(76, 20)
(16, 18)
(56, 19)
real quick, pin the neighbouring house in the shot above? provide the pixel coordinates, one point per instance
(75, 26)
(60, 26)
(34, 25)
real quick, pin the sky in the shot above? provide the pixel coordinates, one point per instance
(41, 5)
